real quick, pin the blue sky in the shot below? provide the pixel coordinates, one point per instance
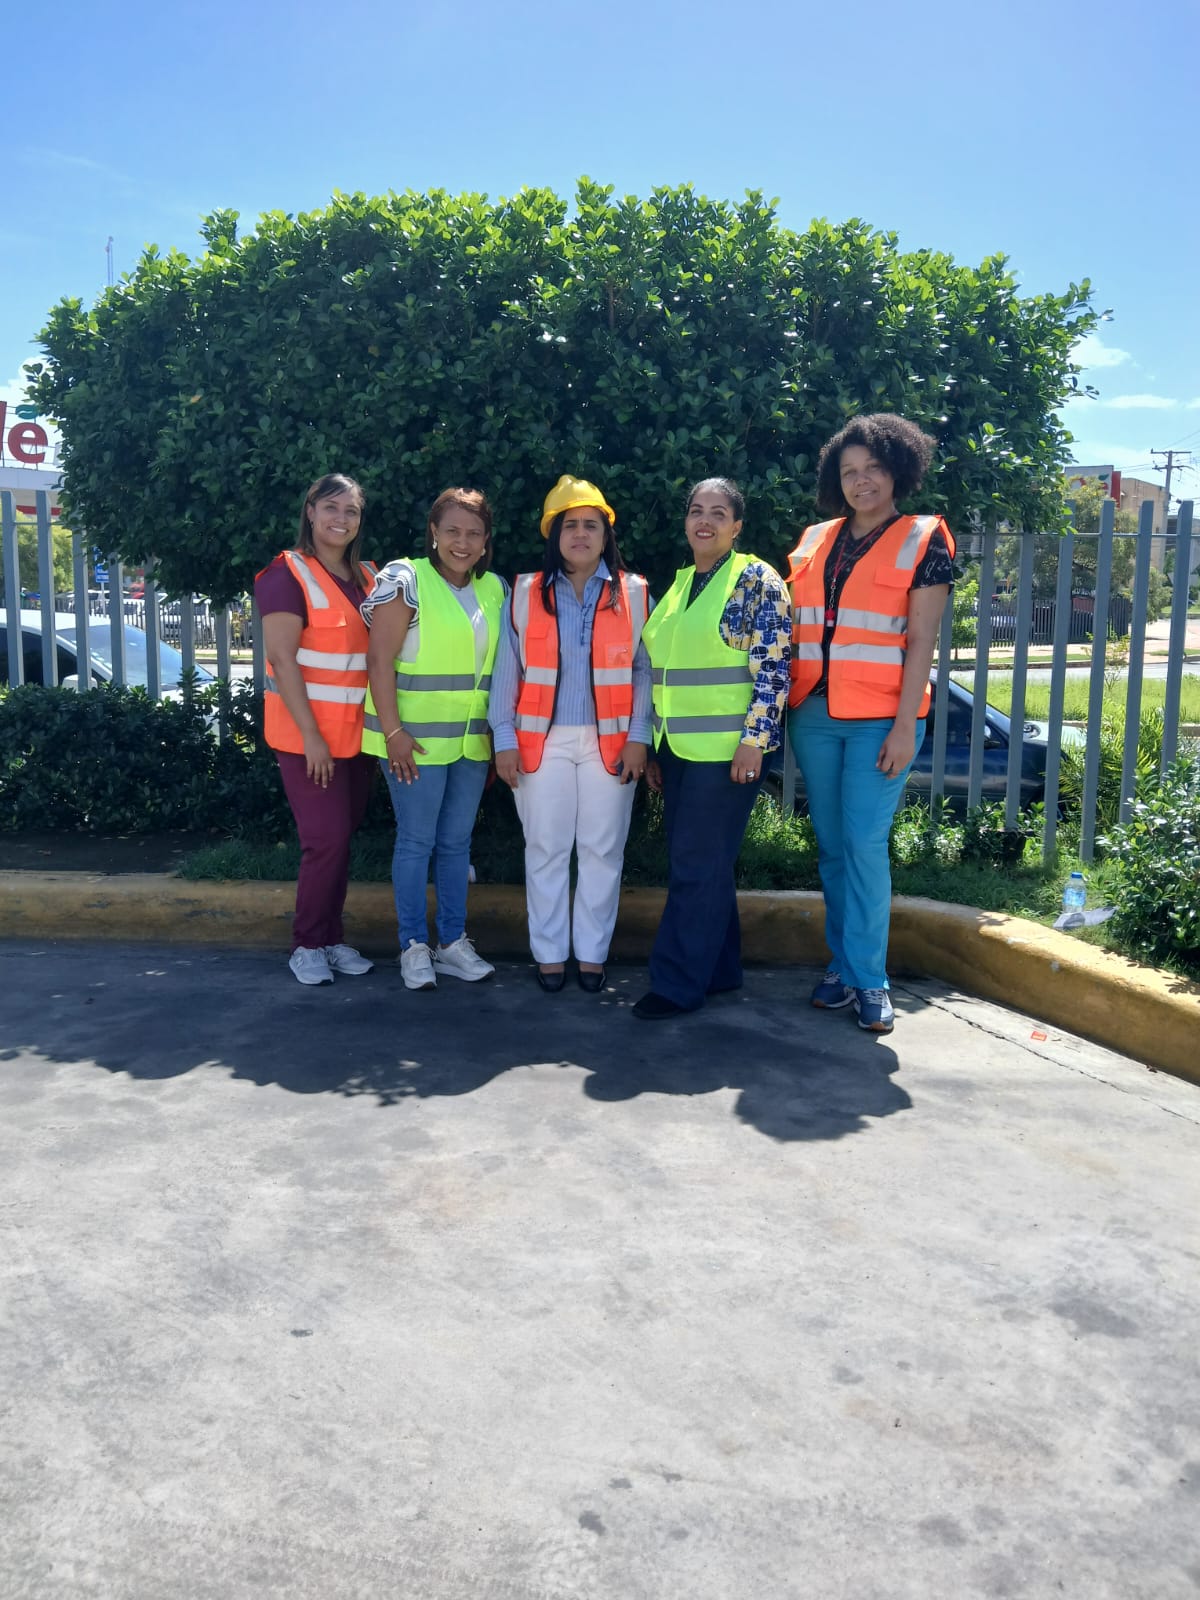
(1062, 134)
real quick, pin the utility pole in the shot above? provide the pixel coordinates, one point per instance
(1172, 462)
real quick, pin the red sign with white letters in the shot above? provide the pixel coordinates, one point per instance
(27, 442)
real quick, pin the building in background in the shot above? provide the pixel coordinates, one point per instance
(1129, 493)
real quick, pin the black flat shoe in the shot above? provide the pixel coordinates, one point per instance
(655, 1008)
(592, 982)
(551, 982)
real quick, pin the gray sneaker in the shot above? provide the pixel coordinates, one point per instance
(310, 966)
(874, 1007)
(459, 960)
(831, 994)
(416, 966)
(345, 958)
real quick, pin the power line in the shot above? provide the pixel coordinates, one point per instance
(1170, 468)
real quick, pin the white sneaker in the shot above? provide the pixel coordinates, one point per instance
(345, 958)
(459, 960)
(416, 966)
(310, 966)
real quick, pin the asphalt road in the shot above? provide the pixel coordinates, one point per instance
(354, 1293)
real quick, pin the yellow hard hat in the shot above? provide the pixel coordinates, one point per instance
(570, 493)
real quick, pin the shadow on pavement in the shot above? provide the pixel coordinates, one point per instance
(798, 1074)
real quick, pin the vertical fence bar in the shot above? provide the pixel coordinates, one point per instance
(12, 588)
(152, 621)
(1058, 686)
(223, 622)
(1137, 654)
(941, 704)
(983, 645)
(1176, 649)
(83, 640)
(1016, 711)
(116, 619)
(787, 799)
(1091, 764)
(45, 544)
(187, 640)
(258, 651)
(224, 649)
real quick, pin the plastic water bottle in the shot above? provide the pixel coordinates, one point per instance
(1075, 893)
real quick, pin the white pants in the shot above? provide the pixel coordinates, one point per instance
(572, 799)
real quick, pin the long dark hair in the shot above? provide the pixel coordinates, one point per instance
(324, 489)
(725, 486)
(552, 561)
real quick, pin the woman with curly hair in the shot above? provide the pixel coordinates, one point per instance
(868, 591)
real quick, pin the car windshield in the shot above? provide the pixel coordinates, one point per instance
(170, 662)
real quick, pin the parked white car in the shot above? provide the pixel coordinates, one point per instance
(100, 665)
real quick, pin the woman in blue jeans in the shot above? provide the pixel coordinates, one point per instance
(435, 623)
(868, 591)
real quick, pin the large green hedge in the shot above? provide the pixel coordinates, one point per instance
(420, 340)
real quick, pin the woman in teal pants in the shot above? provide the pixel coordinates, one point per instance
(868, 591)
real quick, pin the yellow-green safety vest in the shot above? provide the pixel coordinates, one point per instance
(702, 688)
(440, 698)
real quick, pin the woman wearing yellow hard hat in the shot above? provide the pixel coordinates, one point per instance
(570, 716)
(719, 647)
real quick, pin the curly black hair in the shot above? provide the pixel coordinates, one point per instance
(895, 442)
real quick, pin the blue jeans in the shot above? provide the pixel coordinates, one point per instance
(698, 947)
(435, 816)
(852, 805)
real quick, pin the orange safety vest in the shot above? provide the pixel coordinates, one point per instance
(616, 635)
(870, 631)
(333, 663)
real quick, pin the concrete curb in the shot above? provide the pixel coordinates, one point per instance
(1149, 1015)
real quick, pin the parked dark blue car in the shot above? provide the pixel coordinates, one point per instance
(997, 735)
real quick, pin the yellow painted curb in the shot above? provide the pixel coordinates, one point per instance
(1149, 1015)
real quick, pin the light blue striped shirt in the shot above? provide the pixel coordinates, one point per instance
(575, 704)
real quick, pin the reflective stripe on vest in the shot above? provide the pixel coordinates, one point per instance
(616, 634)
(699, 708)
(332, 657)
(441, 698)
(870, 634)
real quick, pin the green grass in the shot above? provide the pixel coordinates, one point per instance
(779, 852)
(1075, 697)
(949, 863)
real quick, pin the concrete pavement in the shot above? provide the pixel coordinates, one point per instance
(353, 1292)
(1150, 1015)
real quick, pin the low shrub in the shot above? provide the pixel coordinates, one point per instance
(1112, 755)
(1152, 872)
(114, 761)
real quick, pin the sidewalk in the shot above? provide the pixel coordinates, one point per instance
(356, 1294)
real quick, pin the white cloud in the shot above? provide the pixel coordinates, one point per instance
(1140, 402)
(14, 390)
(1091, 352)
(1193, 405)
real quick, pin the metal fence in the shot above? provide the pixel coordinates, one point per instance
(159, 624)
(171, 615)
